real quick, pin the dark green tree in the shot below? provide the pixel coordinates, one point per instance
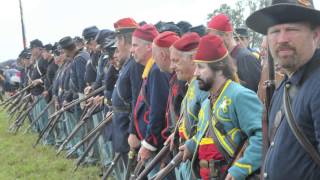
(235, 15)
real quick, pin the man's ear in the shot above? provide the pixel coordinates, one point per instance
(317, 35)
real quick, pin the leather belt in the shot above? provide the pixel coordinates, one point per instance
(217, 163)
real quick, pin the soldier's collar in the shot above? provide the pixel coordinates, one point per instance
(298, 77)
(147, 68)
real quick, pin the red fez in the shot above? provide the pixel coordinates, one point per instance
(211, 49)
(125, 23)
(187, 42)
(220, 22)
(146, 32)
(166, 39)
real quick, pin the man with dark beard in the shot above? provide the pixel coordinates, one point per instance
(231, 115)
(181, 54)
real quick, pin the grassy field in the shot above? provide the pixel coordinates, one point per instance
(19, 160)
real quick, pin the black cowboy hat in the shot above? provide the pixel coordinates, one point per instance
(283, 11)
(66, 42)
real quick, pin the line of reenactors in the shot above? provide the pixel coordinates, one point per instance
(163, 101)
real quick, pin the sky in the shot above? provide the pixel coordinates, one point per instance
(50, 20)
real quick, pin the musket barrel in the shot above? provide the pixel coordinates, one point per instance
(78, 101)
(164, 151)
(91, 133)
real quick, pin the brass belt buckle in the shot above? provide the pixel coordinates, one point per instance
(204, 164)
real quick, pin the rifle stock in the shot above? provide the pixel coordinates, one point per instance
(20, 121)
(39, 116)
(90, 145)
(101, 125)
(162, 153)
(43, 131)
(132, 156)
(137, 170)
(19, 104)
(14, 103)
(173, 163)
(111, 167)
(87, 114)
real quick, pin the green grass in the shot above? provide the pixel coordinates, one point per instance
(19, 160)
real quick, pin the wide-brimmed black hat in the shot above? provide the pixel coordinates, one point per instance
(184, 26)
(48, 47)
(90, 33)
(36, 43)
(283, 11)
(25, 54)
(241, 32)
(104, 33)
(109, 43)
(66, 42)
(170, 27)
(201, 30)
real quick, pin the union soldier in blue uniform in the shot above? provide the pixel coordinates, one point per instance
(149, 111)
(76, 83)
(57, 89)
(125, 91)
(292, 28)
(38, 74)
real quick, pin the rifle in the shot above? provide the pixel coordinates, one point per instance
(87, 113)
(39, 116)
(19, 121)
(270, 87)
(78, 101)
(17, 94)
(20, 113)
(111, 167)
(162, 153)
(132, 156)
(165, 171)
(13, 103)
(99, 127)
(137, 170)
(90, 145)
(18, 105)
(49, 126)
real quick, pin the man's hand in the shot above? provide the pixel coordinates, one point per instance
(89, 102)
(133, 141)
(87, 90)
(45, 93)
(170, 141)
(186, 153)
(229, 177)
(37, 82)
(98, 100)
(144, 154)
